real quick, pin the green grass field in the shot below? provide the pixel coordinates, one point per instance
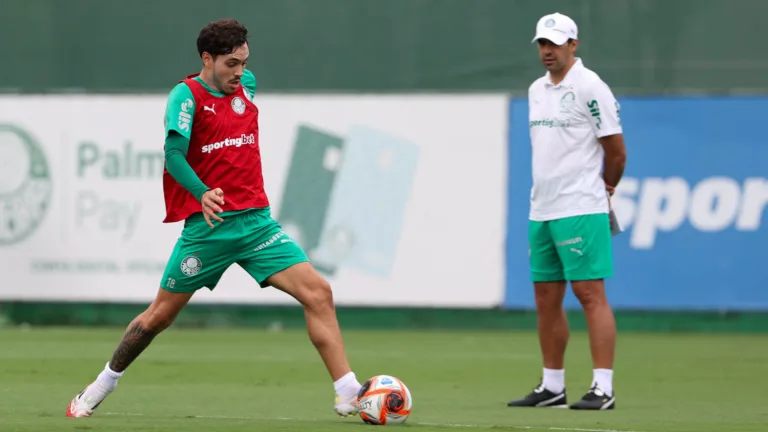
(240, 380)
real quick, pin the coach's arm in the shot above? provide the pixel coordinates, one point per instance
(602, 109)
(614, 160)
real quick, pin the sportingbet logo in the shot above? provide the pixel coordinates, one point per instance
(656, 205)
(550, 123)
(237, 142)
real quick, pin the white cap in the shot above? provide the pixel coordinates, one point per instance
(557, 28)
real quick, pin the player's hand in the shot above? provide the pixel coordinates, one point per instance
(211, 201)
(610, 189)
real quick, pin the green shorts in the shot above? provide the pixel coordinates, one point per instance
(571, 249)
(251, 238)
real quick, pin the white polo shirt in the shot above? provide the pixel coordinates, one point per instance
(565, 122)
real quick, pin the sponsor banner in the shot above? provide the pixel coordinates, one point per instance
(399, 200)
(692, 202)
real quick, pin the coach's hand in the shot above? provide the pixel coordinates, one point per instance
(211, 201)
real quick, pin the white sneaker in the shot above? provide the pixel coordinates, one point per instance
(346, 406)
(82, 406)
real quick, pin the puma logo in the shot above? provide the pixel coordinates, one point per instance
(210, 108)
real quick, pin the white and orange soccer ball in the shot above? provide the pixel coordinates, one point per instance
(384, 400)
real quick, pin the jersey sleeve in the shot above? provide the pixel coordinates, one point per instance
(180, 111)
(176, 147)
(602, 108)
(248, 81)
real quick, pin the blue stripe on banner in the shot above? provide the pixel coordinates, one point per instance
(693, 203)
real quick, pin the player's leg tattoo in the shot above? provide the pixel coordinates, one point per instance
(135, 340)
(143, 329)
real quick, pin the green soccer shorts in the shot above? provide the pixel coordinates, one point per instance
(252, 239)
(571, 249)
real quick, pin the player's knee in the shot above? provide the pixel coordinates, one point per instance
(163, 311)
(318, 296)
(156, 320)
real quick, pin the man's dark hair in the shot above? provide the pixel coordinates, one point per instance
(221, 37)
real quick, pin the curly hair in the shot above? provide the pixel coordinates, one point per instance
(221, 37)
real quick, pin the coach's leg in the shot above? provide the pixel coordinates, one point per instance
(602, 329)
(585, 250)
(552, 323)
(549, 291)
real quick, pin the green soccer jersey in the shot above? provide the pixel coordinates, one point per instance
(179, 115)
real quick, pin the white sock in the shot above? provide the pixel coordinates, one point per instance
(604, 380)
(108, 378)
(347, 386)
(554, 380)
(104, 384)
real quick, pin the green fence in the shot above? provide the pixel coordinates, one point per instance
(638, 46)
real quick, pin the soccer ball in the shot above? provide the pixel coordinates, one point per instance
(383, 400)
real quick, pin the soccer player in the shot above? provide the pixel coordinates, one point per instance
(578, 158)
(213, 182)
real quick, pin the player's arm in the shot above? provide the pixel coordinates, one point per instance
(176, 148)
(179, 115)
(603, 111)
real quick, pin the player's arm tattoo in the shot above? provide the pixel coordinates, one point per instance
(135, 340)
